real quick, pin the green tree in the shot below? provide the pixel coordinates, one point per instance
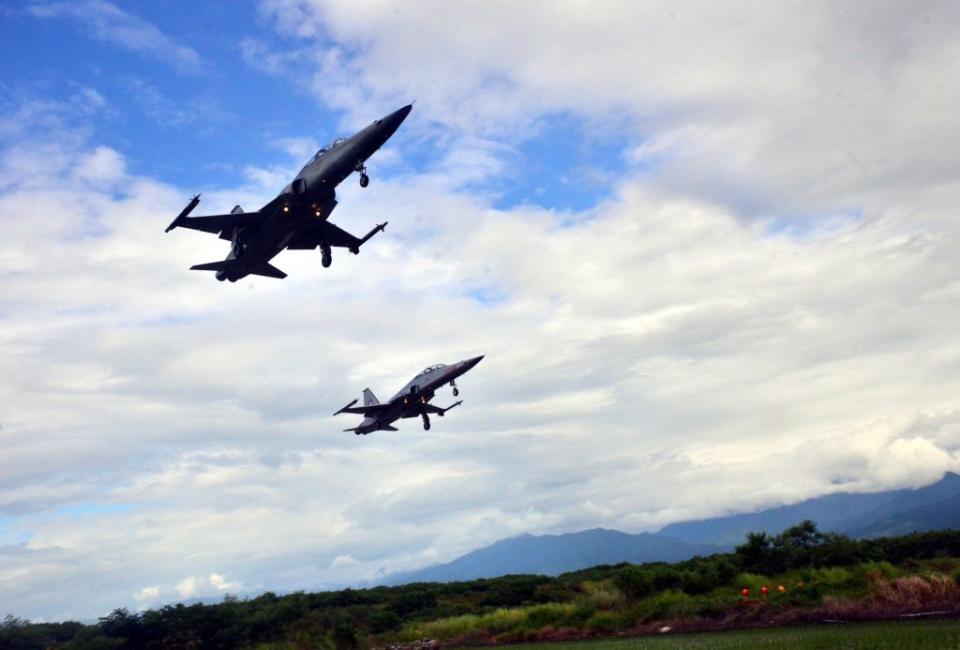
(634, 583)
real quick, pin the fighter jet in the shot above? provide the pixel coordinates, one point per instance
(298, 218)
(412, 401)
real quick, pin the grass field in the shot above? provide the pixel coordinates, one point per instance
(941, 635)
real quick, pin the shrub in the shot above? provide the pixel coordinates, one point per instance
(667, 578)
(602, 596)
(667, 604)
(882, 569)
(751, 581)
(552, 614)
(603, 622)
(698, 582)
(634, 583)
(835, 577)
(383, 621)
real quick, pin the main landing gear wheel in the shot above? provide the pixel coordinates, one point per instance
(426, 422)
(327, 258)
(364, 180)
(456, 392)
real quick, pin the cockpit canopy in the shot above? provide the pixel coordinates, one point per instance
(431, 368)
(330, 146)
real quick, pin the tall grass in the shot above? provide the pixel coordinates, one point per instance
(869, 591)
(863, 636)
(916, 592)
(499, 621)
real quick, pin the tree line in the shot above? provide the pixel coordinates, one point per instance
(346, 618)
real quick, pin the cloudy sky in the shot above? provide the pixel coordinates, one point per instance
(710, 252)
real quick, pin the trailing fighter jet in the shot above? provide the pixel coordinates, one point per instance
(412, 401)
(298, 217)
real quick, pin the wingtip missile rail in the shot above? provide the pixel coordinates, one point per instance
(183, 213)
(346, 407)
(380, 227)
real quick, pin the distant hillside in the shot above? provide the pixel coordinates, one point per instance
(940, 515)
(556, 554)
(896, 512)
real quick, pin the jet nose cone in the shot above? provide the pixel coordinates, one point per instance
(396, 118)
(470, 363)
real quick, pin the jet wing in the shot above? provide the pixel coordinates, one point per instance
(340, 238)
(303, 241)
(436, 410)
(218, 223)
(336, 236)
(370, 409)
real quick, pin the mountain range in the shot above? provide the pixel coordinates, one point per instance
(555, 554)
(876, 514)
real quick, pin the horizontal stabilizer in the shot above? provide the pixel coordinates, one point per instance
(210, 266)
(268, 270)
(385, 427)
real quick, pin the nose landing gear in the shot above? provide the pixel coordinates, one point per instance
(364, 179)
(456, 391)
(327, 254)
(426, 420)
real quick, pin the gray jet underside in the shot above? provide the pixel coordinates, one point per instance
(298, 218)
(413, 400)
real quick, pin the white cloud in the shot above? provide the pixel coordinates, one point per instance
(786, 108)
(221, 583)
(148, 595)
(108, 22)
(187, 588)
(342, 561)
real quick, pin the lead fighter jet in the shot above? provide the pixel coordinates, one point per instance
(298, 217)
(412, 401)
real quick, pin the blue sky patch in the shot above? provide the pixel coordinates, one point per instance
(564, 166)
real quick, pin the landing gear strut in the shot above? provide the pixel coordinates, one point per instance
(426, 420)
(327, 254)
(456, 391)
(364, 179)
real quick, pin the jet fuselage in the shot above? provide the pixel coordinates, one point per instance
(298, 217)
(413, 400)
(309, 196)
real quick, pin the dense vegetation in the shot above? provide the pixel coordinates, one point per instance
(869, 636)
(813, 569)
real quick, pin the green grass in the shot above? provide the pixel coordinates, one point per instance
(941, 635)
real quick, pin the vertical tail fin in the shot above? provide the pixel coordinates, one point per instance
(369, 398)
